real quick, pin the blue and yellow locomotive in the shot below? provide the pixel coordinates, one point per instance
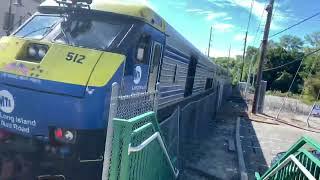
(56, 72)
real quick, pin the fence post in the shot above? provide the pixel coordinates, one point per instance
(178, 148)
(310, 114)
(109, 136)
(156, 98)
(198, 119)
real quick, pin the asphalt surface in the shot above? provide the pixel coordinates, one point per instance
(261, 142)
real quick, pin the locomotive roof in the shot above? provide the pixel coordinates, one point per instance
(147, 15)
(139, 11)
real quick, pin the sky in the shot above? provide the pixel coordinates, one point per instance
(229, 19)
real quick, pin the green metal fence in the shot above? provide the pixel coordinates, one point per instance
(138, 151)
(300, 162)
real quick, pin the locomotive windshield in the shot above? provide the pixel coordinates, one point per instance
(80, 31)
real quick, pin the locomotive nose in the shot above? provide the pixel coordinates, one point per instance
(55, 68)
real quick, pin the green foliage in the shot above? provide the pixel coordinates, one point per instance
(290, 50)
(312, 86)
(291, 43)
(231, 64)
(313, 39)
(279, 79)
(283, 81)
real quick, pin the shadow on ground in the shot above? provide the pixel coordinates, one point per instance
(215, 155)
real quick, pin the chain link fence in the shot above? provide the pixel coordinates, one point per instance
(125, 107)
(165, 145)
(290, 110)
(170, 129)
(286, 109)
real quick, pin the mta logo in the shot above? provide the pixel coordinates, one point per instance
(6, 101)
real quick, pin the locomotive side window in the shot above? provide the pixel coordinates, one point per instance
(156, 58)
(142, 50)
(154, 65)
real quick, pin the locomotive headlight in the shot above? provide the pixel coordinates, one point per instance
(32, 51)
(65, 136)
(68, 136)
(42, 52)
(36, 52)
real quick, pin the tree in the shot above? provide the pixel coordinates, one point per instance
(251, 51)
(291, 43)
(313, 39)
(279, 78)
(272, 44)
(312, 86)
(283, 82)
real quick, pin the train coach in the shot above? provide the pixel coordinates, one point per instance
(56, 72)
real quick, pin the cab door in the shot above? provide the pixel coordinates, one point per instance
(154, 65)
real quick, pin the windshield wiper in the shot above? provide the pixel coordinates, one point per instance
(48, 29)
(65, 35)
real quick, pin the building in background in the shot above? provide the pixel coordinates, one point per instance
(20, 11)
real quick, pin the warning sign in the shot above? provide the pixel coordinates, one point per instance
(316, 110)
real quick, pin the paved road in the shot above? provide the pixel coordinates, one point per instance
(261, 142)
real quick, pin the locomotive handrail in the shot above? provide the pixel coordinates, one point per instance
(146, 142)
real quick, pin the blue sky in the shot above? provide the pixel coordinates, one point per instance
(193, 19)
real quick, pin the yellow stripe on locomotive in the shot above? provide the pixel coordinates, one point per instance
(62, 63)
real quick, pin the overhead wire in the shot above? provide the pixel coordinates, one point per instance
(259, 26)
(294, 78)
(278, 67)
(245, 39)
(296, 24)
(283, 65)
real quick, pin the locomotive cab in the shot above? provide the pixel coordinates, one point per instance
(56, 73)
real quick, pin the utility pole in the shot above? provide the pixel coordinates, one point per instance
(210, 42)
(229, 52)
(245, 41)
(9, 18)
(244, 55)
(262, 57)
(249, 75)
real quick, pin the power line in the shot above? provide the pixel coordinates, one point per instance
(294, 78)
(278, 67)
(259, 26)
(274, 11)
(296, 24)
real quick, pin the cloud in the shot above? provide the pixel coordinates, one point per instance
(225, 53)
(240, 37)
(221, 3)
(194, 10)
(282, 16)
(178, 5)
(227, 18)
(212, 15)
(209, 15)
(222, 27)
